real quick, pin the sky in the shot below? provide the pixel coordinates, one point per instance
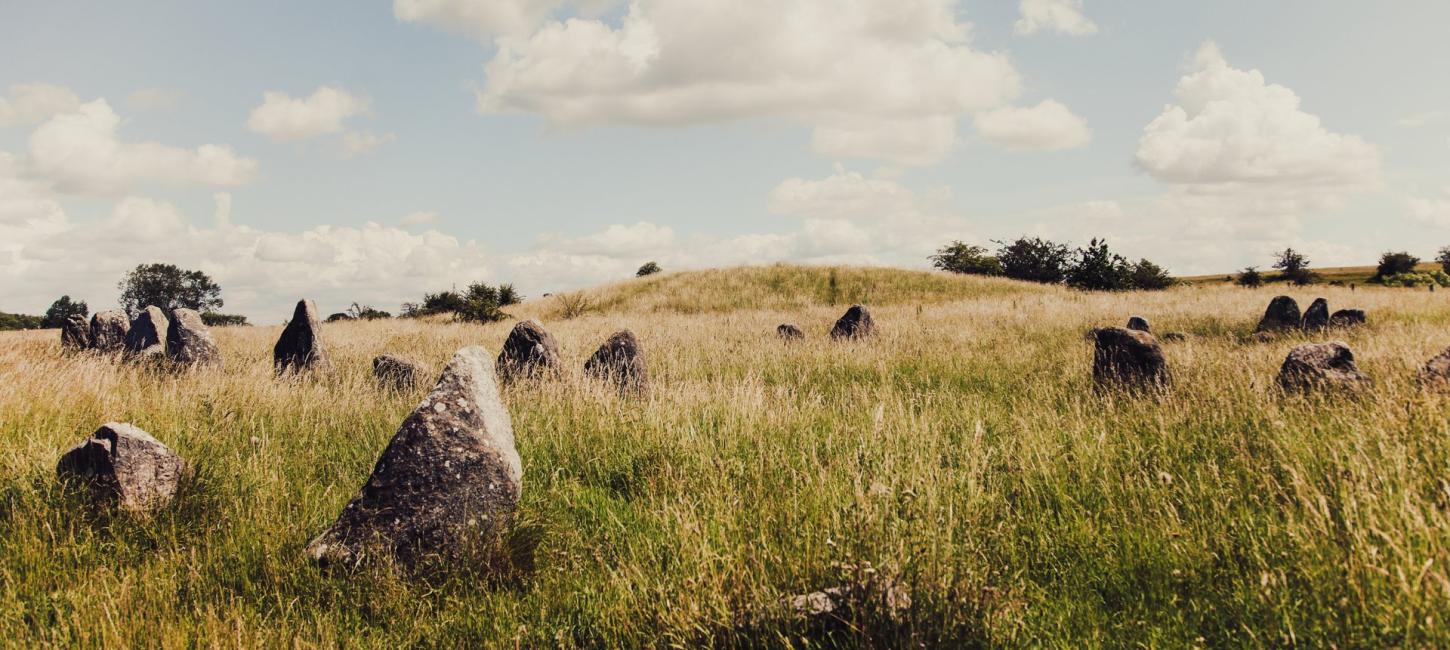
(372, 151)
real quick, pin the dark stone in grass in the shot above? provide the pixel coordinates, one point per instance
(1176, 337)
(189, 343)
(789, 332)
(856, 323)
(1321, 365)
(864, 594)
(396, 373)
(447, 484)
(124, 465)
(1128, 358)
(1316, 317)
(1282, 314)
(1436, 371)
(300, 347)
(75, 333)
(1348, 318)
(1139, 323)
(530, 351)
(622, 361)
(146, 339)
(108, 330)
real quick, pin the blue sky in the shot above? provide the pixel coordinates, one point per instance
(561, 144)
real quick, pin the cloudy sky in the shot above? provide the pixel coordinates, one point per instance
(350, 150)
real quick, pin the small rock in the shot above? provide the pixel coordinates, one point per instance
(1139, 323)
(865, 592)
(1320, 365)
(396, 373)
(108, 330)
(1176, 337)
(146, 338)
(856, 323)
(75, 333)
(1437, 369)
(1128, 358)
(622, 361)
(449, 477)
(1348, 318)
(123, 464)
(529, 352)
(789, 332)
(1316, 317)
(189, 343)
(1282, 314)
(300, 347)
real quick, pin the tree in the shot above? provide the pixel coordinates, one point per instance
(1148, 276)
(481, 304)
(1443, 257)
(1392, 263)
(1034, 259)
(1295, 267)
(442, 302)
(213, 319)
(1098, 269)
(61, 310)
(508, 295)
(958, 257)
(1250, 278)
(19, 321)
(168, 287)
(649, 268)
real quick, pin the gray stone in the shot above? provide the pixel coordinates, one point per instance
(530, 351)
(147, 337)
(1282, 314)
(620, 360)
(1348, 318)
(1128, 358)
(124, 465)
(1321, 365)
(189, 343)
(75, 333)
(449, 479)
(300, 347)
(856, 323)
(108, 330)
(1139, 323)
(1437, 369)
(397, 373)
(789, 332)
(863, 592)
(1316, 317)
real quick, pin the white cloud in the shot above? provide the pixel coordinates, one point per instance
(419, 219)
(153, 99)
(480, 19)
(1061, 16)
(81, 152)
(283, 117)
(1048, 126)
(357, 143)
(32, 103)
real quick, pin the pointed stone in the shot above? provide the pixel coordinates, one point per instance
(856, 323)
(108, 330)
(147, 337)
(789, 332)
(1139, 323)
(300, 348)
(530, 351)
(75, 334)
(620, 360)
(121, 463)
(1128, 358)
(188, 341)
(1321, 365)
(396, 373)
(450, 477)
(1316, 317)
(1282, 314)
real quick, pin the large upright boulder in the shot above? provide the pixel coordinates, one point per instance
(75, 333)
(1125, 358)
(1348, 318)
(300, 347)
(449, 479)
(529, 351)
(189, 343)
(620, 360)
(1316, 317)
(396, 373)
(147, 337)
(1282, 314)
(124, 465)
(1139, 323)
(1321, 365)
(856, 323)
(108, 330)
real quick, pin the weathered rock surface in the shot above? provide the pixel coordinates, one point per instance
(300, 347)
(620, 360)
(1320, 365)
(75, 333)
(396, 373)
(1139, 323)
(449, 479)
(1316, 317)
(854, 324)
(1282, 314)
(529, 351)
(147, 337)
(1176, 337)
(124, 465)
(189, 343)
(1348, 318)
(864, 593)
(1437, 369)
(1128, 358)
(108, 330)
(789, 332)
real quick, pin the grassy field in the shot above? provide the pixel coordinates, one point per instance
(962, 453)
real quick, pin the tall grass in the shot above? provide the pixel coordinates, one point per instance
(962, 451)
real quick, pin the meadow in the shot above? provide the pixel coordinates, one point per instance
(961, 455)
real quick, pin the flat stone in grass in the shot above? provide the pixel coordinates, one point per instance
(300, 347)
(1139, 323)
(124, 465)
(108, 330)
(146, 339)
(620, 360)
(448, 480)
(789, 332)
(530, 351)
(1321, 365)
(189, 343)
(75, 333)
(856, 323)
(1316, 317)
(1128, 358)
(396, 373)
(1282, 314)
(1348, 318)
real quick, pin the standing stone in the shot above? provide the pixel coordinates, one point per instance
(1316, 317)
(1139, 323)
(108, 330)
(75, 334)
(1128, 358)
(188, 341)
(396, 373)
(622, 361)
(789, 332)
(123, 464)
(1282, 314)
(529, 351)
(1320, 365)
(147, 337)
(1437, 369)
(856, 323)
(449, 478)
(300, 347)
(1347, 318)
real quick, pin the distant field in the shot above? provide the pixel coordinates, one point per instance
(963, 453)
(1344, 274)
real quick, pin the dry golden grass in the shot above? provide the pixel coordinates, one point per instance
(962, 451)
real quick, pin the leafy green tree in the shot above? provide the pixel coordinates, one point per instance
(1295, 267)
(1250, 278)
(1148, 276)
(481, 304)
(1392, 263)
(649, 268)
(213, 319)
(1443, 257)
(958, 257)
(1098, 269)
(508, 295)
(1034, 259)
(62, 309)
(19, 321)
(168, 287)
(442, 302)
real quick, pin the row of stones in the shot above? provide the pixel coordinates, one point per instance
(183, 339)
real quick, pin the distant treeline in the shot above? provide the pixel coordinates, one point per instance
(1090, 268)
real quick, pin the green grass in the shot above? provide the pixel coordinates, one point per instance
(963, 452)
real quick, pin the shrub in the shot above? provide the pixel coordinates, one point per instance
(1295, 267)
(1098, 269)
(958, 257)
(1443, 257)
(213, 319)
(481, 303)
(1395, 264)
(1148, 276)
(1250, 277)
(61, 310)
(649, 268)
(19, 321)
(1417, 279)
(1034, 259)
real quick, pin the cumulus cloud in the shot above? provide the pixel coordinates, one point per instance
(1048, 126)
(480, 19)
(1061, 16)
(283, 117)
(358, 143)
(32, 103)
